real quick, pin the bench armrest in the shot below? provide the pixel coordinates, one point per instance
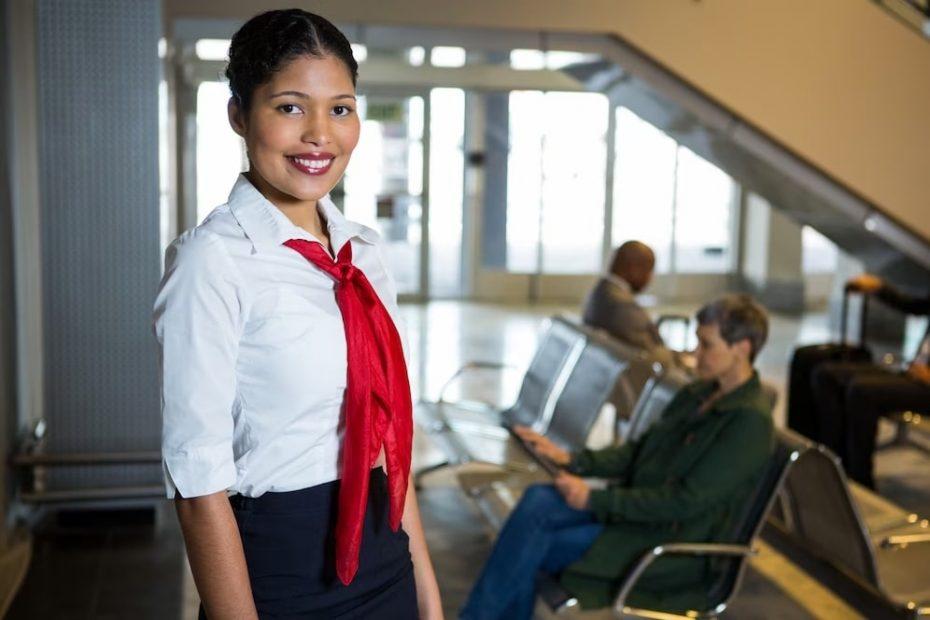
(468, 367)
(903, 540)
(706, 549)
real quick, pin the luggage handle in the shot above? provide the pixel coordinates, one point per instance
(863, 317)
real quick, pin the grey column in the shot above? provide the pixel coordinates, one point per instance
(8, 397)
(494, 215)
(98, 157)
(771, 256)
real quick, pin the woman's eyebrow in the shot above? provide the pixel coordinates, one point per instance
(292, 93)
(297, 93)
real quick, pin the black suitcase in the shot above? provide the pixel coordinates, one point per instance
(805, 359)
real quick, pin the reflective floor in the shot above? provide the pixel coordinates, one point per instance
(85, 567)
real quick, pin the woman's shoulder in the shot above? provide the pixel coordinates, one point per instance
(215, 238)
(200, 255)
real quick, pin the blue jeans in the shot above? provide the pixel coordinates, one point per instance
(543, 533)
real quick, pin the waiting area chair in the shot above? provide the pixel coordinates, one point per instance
(886, 552)
(574, 372)
(728, 559)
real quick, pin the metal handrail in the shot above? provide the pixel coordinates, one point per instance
(106, 493)
(31, 463)
(910, 13)
(85, 458)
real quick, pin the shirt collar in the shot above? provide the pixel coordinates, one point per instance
(748, 392)
(618, 282)
(267, 227)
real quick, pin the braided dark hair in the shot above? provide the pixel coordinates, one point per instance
(266, 42)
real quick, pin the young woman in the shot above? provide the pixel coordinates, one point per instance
(283, 373)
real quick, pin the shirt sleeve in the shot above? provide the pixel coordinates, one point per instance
(610, 462)
(197, 324)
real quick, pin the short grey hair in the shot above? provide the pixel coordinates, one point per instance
(738, 317)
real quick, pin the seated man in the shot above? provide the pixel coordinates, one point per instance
(850, 396)
(611, 304)
(683, 480)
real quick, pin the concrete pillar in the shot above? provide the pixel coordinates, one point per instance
(97, 70)
(494, 215)
(23, 169)
(771, 257)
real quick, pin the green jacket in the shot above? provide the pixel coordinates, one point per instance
(680, 482)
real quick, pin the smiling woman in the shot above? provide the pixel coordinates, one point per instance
(283, 372)
(299, 123)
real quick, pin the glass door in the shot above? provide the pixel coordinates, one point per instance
(383, 187)
(544, 203)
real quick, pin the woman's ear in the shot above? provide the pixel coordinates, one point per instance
(745, 348)
(236, 116)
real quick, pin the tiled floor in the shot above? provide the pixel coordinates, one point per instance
(88, 568)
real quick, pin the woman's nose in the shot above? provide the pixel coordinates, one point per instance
(316, 130)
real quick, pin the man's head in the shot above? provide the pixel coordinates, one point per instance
(731, 331)
(634, 261)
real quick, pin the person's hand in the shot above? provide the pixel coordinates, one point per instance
(543, 446)
(575, 490)
(865, 283)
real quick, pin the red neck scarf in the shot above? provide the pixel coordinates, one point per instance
(378, 409)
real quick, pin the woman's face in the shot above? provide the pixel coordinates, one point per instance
(301, 128)
(715, 357)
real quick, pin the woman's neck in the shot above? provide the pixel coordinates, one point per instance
(734, 378)
(302, 213)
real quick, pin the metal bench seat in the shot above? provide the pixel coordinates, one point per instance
(522, 470)
(731, 553)
(575, 371)
(824, 519)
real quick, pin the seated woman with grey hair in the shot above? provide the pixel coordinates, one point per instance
(683, 480)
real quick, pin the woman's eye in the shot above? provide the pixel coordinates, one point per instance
(342, 110)
(289, 108)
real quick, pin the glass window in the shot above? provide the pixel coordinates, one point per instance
(383, 183)
(212, 49)
(530, 59)
(818, 254)
(442, 56)
(555, 181)
(668, 197)
(524, 176)
(447, 166)
(359, 52)
(527, 59)
(220, 152)
(573, 188)
(704, 203)
(644, 186)
(416, 55)
(559, 59)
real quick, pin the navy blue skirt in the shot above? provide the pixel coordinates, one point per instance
(289, 543)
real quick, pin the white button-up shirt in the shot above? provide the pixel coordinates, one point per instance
(252, 350)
